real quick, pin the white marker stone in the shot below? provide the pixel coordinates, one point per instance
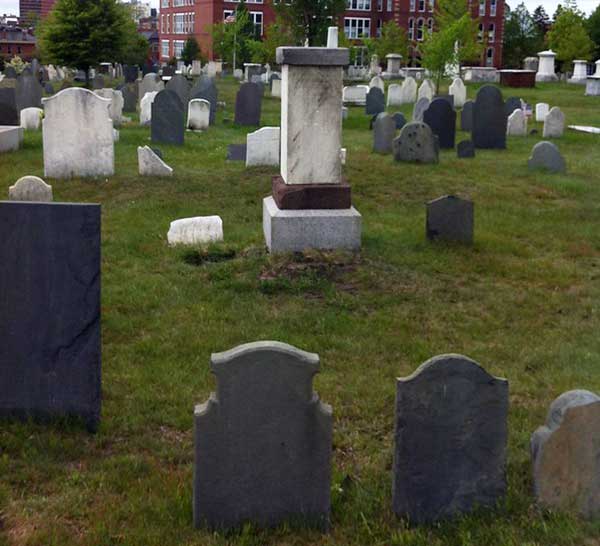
(195, 231)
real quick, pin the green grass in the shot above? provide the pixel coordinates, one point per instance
(523, 301)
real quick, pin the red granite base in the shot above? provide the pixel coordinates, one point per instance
(309, 196)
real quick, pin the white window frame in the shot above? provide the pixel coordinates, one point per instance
(489, 59)
(431, 5)
(420, 29)
(411, 29)
(164, 3)
(413, 5)
(390, 5)
(178, 48)
(358, 5)
(352, 26)
(164, 45)
(491, 33)
(253, 16)
(493, 7)
(421, 5)
(481, 8)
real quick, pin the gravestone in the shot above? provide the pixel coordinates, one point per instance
(77, 135)
(450, 218)
(541, 111)
(10, 72)
(206, 89)
(150, 163)
(450, 440)
(466, 116)
(554, 123)
(150, 83)
(465, 149)
(248, 104)
(195, 231)
(512, 104)
(459, 92)
(516, 124)
(384, 132)
(30, 188)
(262, 147)
(198, 118)
(425, 91)
(566, 455)
(146, 107)
(262, 441)
(416, 142)
(448, 98)
(276, 88)
(409, 90)
(130, 73)
(50, 285)
(181, 87)
(236, 152)
(419, 109)
(29, 91)
(31, 118)
(441, 118)
(400, 120)
(394, 95)
(115, 110)
(545, 155)
(167, 124)
(377, 81)
(9, 111)
(11, 138)
(489, 120)
(375, 101)
(98, 82)
(129, 97)
(355, 94)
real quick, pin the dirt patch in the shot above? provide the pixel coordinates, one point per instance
(198, 257)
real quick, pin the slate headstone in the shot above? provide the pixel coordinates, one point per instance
(384, 132)
(441, 118)
(512, 104)
(248, 104)
(180, 85)
(466, 116)
(168, 71)
(206, 89)
(448, 98)
(465, 149)
(545, 155)
(129, 97)
(400, 120)
(489, 119)
(98, 82)
(236, 152)
(416, 142)
(29, 91)
(130, 73)
(450, 218)
(9, 111)
(50, 285)
(450, 440)
(375, 103)
(419, 109)
(10, 72)
(262, 441)
(168, 118)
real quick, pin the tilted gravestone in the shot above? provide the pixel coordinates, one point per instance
(248, 104)
(566, 455)
(168, 118)
(516, 124)
(465, 149)
(384, 132)
(9, 111)
(441, 118)
(419, 109)
(375, 103)
(262, 441)
(545, 155)
(450, 218)
(206, 89)
(180, 85)
(450, 439)
(489, 119)
(416, 142)
(466, 116)
(50, 286)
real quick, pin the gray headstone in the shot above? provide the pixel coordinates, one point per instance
(29, 91)
(48, 88)
(10, 72)
(511, 104)
(168, 118)
(400, 120)
(489, 119)
(248, 104)
(375, 103)
(130, 73)
(450, 439)
(441, 118)
(98, 82)
(450, 218)
(545, 155)
(466, 116)
(180, 85)
(206, 89)
(9, 111)
(448, 98)
(50, 324)
(419, 109)
(236, 152)
(262, 441)
(416, 142)
(465, 149)
(30, 188)
(384, 132)
(129, 97)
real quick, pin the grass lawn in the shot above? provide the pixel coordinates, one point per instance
(523, 302)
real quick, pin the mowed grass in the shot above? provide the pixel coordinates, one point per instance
(523, 301)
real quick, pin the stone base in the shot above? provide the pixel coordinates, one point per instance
(298, 230)
(311, 196)
(592, 88)
(391, 76)
(577, 81)
(546, 78)
(11, 137)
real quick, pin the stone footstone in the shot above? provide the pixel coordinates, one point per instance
(450, 218)
(236, 152)
(545, 155)
(465, 149)
(384, 132)
(417, 143)
(311, 196)
(151, 164)
(375, 101)
(441, 118)
(30, 188)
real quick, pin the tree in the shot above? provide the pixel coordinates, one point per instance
(136, 53)
(568, 36)
(190, 51)
(309, 19)
(541, 20)
(593, 27)
(277, 34)
(83, 33)
(393, 39)
(522, 37)
(236, 35)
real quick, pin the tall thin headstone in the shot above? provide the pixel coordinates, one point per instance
(167, 123)
(248, 104)
(489, 119)
(441, 117)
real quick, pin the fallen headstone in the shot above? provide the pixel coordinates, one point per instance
(151, 164)
(195, 231)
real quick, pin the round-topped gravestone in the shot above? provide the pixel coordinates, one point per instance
(545, 155)
(489, 119)
(167, 123)
(206, 89)
(375, 103)
(417, 143)
(384, 131)
(441, 118)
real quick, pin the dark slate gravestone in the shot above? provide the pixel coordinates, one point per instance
(50, 319)
(248, 104)
(180, 85)
(273, 76)
(466, 116)
(168, 71)
(10, 72)
(448, 98)
(9, 111)
(450, 218)
(400, 120)
(465, 149)
(236, 152)
(372, 121)
(416, 142)
(130, 73)
(489, 119)
(419, 109)
(511, 104)
(450, 440)
(29, 91)
(98, 82)
(48, 88)
(441, 118)
(546, 155)
(206, 89)
(168, 119)
(129, 97)
(384, 132)
(262, 441)
(375, 102)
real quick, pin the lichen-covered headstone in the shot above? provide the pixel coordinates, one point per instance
(450, 439)
(546, 155)
(416, 142)
(450, 218)
(384, 132)
(263, 441)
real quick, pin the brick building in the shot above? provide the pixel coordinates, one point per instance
(47, 5)
(17, 41)
(29, 11)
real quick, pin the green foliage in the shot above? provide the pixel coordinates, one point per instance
(309, 19)
(238, 35)
(593, 27)
(393, 39)
(541, 20)
(136, 53)
(277, 34)
(83, 33)
(568, 36)
(522, 36)
(18, 64)
(191, 50)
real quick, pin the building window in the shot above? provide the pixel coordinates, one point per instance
(178, 48)
(257, 19)
(480, 33)
(431, 5)
(168, 24)
(493, 8)
(481, 7)
(421, 5)
(411, 29)
(491, 33)
(165, 49)
(420, 29)
(489, 61)
(164, 3)
(413, 5)
(355, 27)
(162, 24)
(379, 5)
(378, 28)
(227, 13)
(359, 5)
(430, 25)
(178, 23)
(390, 5)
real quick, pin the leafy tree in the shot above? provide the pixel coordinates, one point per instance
(568, 36)
(593, 27)
(541, 20)
(136, 53)
(83, 33)
(237, 35)
(277, 34)
(393, 39)
(190, 51)
(309, 19)
(522, 37)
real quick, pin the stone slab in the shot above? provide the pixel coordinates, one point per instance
(313, 56)
(11, 138)
(311, 196)
(236, 152)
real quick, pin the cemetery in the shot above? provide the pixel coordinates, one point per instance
(310, 309)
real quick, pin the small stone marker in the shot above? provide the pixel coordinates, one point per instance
(554, 123)
(416, 142)
(441, 118)
(198, 118)
(31, 118)
(541, 110)
(30, 188)
(276, 88)
(375, 102)
(262, 147)
(459, 92)
(384, 132)
(266, 412)
(466, 116)
(517, 123)
(400, 120)
(465, 149)
(450, 440)
(236, 152)
(167, 124)
(419, 109)
(545, 155)
(566, 455)
(248, 104)
(489, 120)
(150, 164)
(206, 89)
(450, 218)
(195, 231)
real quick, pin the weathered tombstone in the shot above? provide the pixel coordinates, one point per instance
(512, 104)
(355, 94)
(419, 109)
(265, 411)
(9, 111)
(236, 152)
(151, 164)
(77, 135)
(416, 142)
(206, 89)
(394, 95)
(541, 111)
(425, 90)
(459, 92)
(29, 91)
(262, 147)
(545, 155)
(115, 110)
(465, 149)
(375, 102)
(129, 97)
(198, 118)
(98, 82)
(466, 116)
(516, 124)
(489, 120)
(146, 107)
(50, 285)
(195, 231)
(450, 218)
(130, 73)
(150, 83)
(167, 124)
(248, 104)
(384, 132)
(441, 118)
(566, 455)
(450, 440)
(30, 188)
(400, 120)
(181, 87)
(377, 81)
(31, 118)
(11, 138)
(409, 90)
(554, 123)
(276, 88)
